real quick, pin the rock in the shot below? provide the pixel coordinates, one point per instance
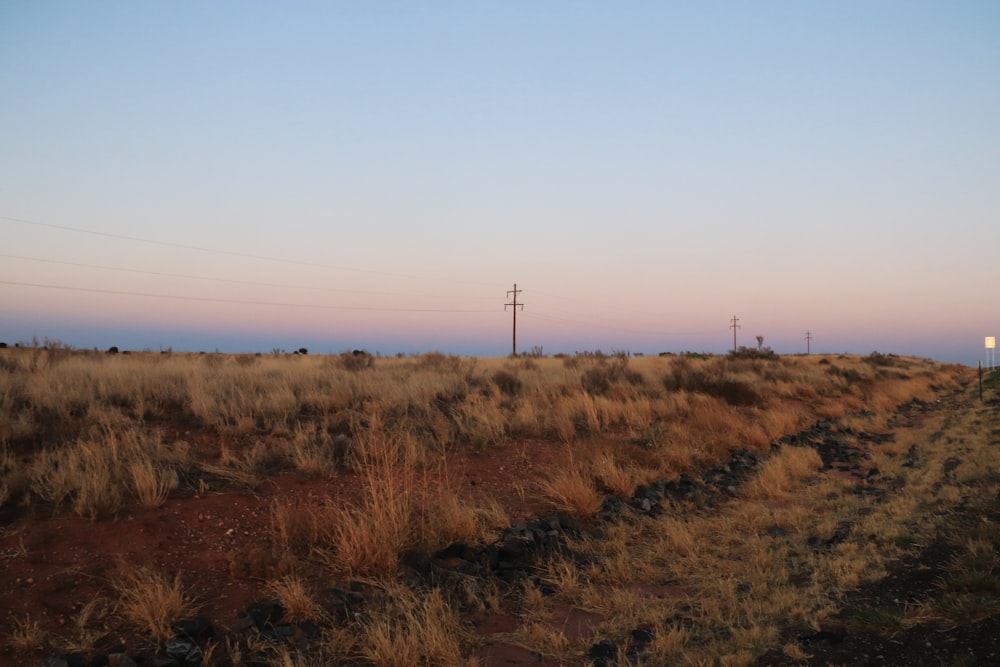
(121, 660)
(182, 650)
(194, 627)
(642, 636)
(834, 636)
(603, 653)
(265, 613)
(777, 531)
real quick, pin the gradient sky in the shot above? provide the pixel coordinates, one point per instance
(245, 176)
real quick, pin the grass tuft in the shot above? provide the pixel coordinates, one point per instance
(152, 602)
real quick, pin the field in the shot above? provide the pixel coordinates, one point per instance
(436, 510)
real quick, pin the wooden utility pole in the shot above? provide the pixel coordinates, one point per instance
(809, 338)
(514, 304)
(734, 326)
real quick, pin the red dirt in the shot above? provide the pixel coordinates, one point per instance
(219, 543)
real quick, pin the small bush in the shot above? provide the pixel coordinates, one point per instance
(152, 602)
(508, 383)
(358, 360)
(879, 359)
(753, 353)
(596, 381)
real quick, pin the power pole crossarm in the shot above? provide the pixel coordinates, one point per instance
(809, 338)
(514, 305)
(734, 326)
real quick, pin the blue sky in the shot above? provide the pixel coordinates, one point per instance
(643, 171)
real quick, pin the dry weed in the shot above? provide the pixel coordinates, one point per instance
(295, 597)
(412, 628)
(572, 491)
(27, 635)
(784, 471)
(150, 601)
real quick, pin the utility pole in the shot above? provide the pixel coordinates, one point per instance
(514, 304)
(809, 338)
(734, 326)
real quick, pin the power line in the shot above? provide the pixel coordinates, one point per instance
(234, 281)
(590, 323)
(186, 246)
(230, 253)
(239, 301)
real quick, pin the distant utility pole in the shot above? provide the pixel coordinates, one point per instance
(514, 304)
(734, 326)
(809, 338)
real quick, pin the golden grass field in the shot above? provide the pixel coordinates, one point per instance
(139, 490)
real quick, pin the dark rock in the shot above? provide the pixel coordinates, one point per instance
(832, 636)
(454, 550)
(603, 653)
(120, 660)
(265, 613)
(243, 622)
(642, 636)
(612, 507)
(344, 604)
(777, 531)
(183, 650)
(194, 627)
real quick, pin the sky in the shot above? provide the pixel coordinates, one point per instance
(251, 176)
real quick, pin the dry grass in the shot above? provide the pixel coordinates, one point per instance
(152, 602)
(412, 628)
(571, 489)
(88, 628)
(27, 635)
(104, 434)
(783, 472)
(297, 599)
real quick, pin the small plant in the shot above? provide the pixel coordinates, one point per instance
(759, 352)
(358, 360)
(296, 599)
(27, 635)
(572, 491)
(152, 602)
(508, 383)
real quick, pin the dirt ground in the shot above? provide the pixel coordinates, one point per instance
(220, 544)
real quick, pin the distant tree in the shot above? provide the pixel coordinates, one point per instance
(760, 342)
(303, 350)
(3, 346)
(113, 349)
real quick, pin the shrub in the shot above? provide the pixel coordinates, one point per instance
(878, 359)
(508, 383)
(753, 353)
(358, 360)
(596, 381)
(152, 602)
